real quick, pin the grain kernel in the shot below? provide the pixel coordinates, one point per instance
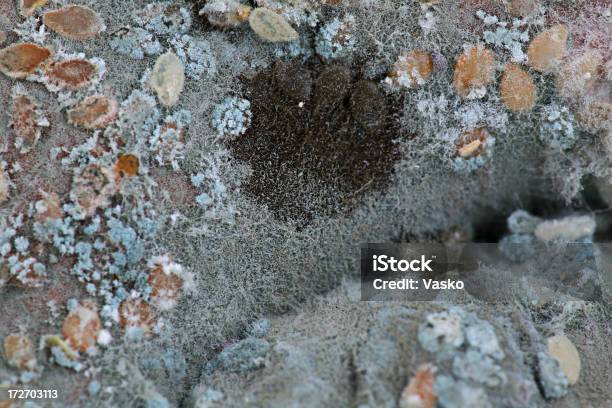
(517, 89)
(474, 69)
(548, 48)
(74, 22)
(82, 326)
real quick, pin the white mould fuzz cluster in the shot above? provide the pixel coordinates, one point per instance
(19, 263)
(138, 114)
(196, 56)
(135, 42)
(164, 18)
(154, 22)
(232, 117)
(109, 243)
(512, 40)
(167, 143)
(298, 13)
(472, 345)
(336, 39)
(225, 13)
(32, 30)
(214, 199)
(428, 20)
(558, 127)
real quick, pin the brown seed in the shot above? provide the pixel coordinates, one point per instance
(136, 313)
(20, 60)
(411, 69)
(82, 326)
(26, 121)
(2, 37)
(72, 74)
(522, 8)
(474, 69)
(48, 207)
(472, 144)
(28, 7)
(594, 110)
(578, 73)
(166, 280)
(517, 89)
(548, 48)
(127, 166)
(19, 352)
(74, 22)
(92, 187)
(420, 393)
(4, 187)
(94, 112)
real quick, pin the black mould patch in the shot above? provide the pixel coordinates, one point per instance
(320, 139)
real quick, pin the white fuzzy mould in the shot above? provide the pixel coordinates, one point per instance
(104, 338)
(568, 229)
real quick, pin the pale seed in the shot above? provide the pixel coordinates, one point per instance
(49, 207)
(271, 26)
(563, 350)
(167, 79)
(578, 74)
(548, 48)
(595, 107)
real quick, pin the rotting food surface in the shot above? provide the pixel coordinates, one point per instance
(319, 140)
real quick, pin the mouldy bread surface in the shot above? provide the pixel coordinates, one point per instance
(251, 250)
